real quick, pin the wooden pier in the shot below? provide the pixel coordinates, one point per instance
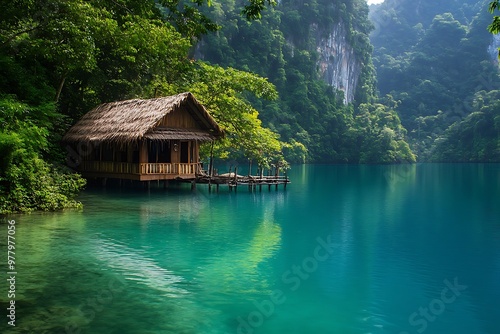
(233, 180)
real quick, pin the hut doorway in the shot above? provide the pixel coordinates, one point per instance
(184, 152)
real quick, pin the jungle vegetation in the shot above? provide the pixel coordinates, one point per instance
(439, 62)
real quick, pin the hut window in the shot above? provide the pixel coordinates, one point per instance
(107, 153)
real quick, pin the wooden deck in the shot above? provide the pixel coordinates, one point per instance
(140, 171)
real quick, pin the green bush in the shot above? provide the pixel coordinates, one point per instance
(27, 182)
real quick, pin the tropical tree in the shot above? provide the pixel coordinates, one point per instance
(494, 27)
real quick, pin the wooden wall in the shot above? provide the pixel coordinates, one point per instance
(179, 119)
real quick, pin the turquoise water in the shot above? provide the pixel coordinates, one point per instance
(344, 249)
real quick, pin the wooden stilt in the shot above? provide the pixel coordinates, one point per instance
(211, 163)
(277, 176)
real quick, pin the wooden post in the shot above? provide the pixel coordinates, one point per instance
(277, 175)
(211, 163)
(261, 171)
(235, 180)
(193, 185)
(143, 152)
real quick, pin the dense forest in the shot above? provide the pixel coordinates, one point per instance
(438, 61)
(288, 81)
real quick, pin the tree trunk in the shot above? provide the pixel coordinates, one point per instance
(61, 85)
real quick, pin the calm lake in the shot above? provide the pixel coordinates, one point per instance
(344, 249)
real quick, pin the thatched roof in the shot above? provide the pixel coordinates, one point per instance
(126, 121)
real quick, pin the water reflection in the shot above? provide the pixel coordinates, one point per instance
(195, 261)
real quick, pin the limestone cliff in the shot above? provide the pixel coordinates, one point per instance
(338, 64)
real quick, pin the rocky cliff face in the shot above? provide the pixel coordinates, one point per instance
(338, 64)
(493, 48)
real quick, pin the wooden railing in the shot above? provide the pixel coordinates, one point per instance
(170, 168)
(142, 168)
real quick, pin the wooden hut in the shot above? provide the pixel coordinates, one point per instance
(155, 139)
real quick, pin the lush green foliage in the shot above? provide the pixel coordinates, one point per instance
(378, 133)
(433, 60)
(477, 136)
(494, 27)
(27, 182)
(220, 90)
